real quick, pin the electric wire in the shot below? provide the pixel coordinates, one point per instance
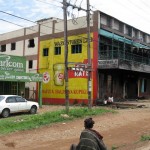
(80, 3)
(11, 22)
(30, 21)
(130, 9)
(17, 16)
(26, 19)
(145, 4)
(35, 22)
(75, 2)
(29, 28)
(52, 36)
(42, 24)
(47, 3)
(75, 20)
(136, 12)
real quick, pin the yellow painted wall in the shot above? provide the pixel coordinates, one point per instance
(52, 67)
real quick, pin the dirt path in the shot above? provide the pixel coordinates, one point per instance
(122, 130)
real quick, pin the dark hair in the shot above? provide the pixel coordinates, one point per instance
(88, 123)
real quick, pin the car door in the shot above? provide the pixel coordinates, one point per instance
(22, 104)
(11, 103)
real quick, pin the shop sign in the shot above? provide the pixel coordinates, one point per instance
(73, 42)
(113, 63)
(12, 63)
(22, 77)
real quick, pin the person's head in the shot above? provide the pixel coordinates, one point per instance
(88, 123)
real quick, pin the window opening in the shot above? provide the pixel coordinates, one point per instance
(13, 46)
(31, 43)
(3, 48)
(76, 49)
(57, 51)
(30, 64)
(45, 51)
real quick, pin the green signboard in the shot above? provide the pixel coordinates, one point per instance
(20, 76)
(12, 63)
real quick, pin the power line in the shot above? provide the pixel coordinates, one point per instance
(11, 23)
(130, 9)
(43, 32)
(16, 16)
(26, 19)
(75, 2)
(32, 22)
(60, 7)
(81, 3)
(21, 26)
(48, 3)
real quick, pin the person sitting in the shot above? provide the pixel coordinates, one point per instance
(90, 139)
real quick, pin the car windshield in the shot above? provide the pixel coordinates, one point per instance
(1, 98)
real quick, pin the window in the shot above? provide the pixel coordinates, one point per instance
(13, 46)
(31, 43)
(11, 100)
(20, 99)
(1, 98)
(3, 48)
(30, 64)
(76, 49)
(143, 85)
(57, 51)
(45, 51)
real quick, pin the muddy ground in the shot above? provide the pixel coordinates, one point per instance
(122, 130)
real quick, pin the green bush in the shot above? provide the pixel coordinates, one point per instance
(145, 137)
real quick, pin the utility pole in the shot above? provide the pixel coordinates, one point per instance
(89, 86)
(89, 56)
(66, 56)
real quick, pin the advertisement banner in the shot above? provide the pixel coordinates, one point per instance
(12, 63)
(20, 76)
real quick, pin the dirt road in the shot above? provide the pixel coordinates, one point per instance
(122, 130)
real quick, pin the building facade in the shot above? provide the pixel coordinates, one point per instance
(13, 76)
(23, 42)
(119, 56)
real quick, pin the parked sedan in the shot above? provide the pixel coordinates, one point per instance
(13, 103)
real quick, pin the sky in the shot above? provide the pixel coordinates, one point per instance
(133, 12)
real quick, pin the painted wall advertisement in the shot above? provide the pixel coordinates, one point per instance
(53, 74)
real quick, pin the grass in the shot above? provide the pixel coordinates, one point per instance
(117, 147)
(26, 122)
(145, 137)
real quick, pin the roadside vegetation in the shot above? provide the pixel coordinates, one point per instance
(145, 138)
(26, 122)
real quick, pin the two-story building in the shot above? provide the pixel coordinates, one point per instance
(119, 56)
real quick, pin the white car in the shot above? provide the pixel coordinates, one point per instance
(13, 103)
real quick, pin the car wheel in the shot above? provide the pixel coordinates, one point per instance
(5, 113)
(33, 110)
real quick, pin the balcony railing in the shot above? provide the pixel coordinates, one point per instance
(128, 56)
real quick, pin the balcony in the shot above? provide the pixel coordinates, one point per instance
(119, 59)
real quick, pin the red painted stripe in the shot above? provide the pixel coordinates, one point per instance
(58, 101)
(95, 65)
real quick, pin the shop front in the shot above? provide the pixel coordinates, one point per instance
(13, 76)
